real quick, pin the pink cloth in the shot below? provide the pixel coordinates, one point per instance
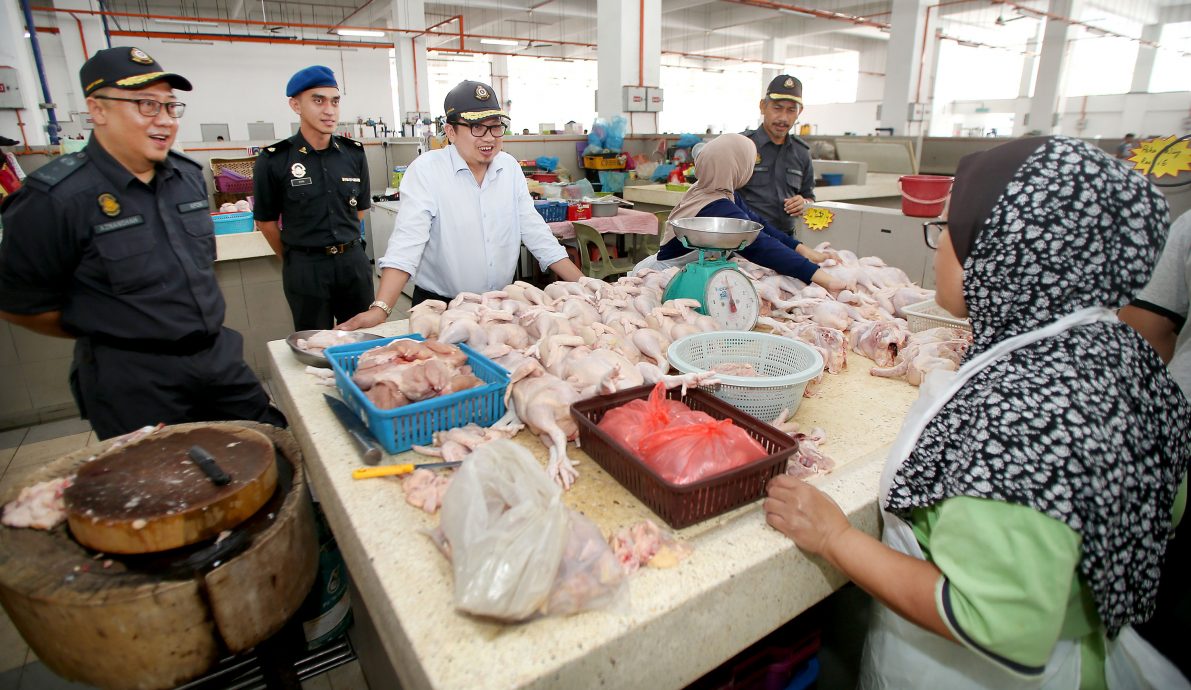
(625, 222)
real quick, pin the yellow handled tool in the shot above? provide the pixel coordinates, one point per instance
(391, 470)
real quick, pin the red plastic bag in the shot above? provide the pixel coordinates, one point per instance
(685, 453)
(635, 420)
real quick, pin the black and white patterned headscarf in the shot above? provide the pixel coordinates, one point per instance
(1086, 426)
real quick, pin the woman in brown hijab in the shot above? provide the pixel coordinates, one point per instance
(724, 166)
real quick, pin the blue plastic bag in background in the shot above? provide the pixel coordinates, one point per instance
(612, 181)
(616, 131)
(688, 140)
(547, 163)
(662, 172)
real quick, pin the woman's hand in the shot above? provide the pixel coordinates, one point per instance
(373, 316)
(816, 256)
(828, 281)
(804, 514)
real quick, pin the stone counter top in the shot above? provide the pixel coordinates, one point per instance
(241, 245)
(743, 580)
(877, 185)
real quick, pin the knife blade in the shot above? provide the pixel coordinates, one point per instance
(390, 470)
(370, 450)
(207, 464)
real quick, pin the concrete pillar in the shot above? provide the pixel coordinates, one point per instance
(773, 52)
(903, 57)
(628, 57)
(1143, 67)
(82, 36)
(1046, 106)
(1021, 106)
(15, 53)
(499, 80)
(411, 93)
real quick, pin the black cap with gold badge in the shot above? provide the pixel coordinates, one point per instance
(125, 68)
(472, 101)
(784, 87)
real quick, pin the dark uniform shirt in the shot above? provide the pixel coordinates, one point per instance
(780, 173)
(118, 257)
(317, 193)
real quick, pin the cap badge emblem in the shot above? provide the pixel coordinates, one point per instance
(298, 170)
(109, 205)
(481, 93)
(789, 83)
(139, 56)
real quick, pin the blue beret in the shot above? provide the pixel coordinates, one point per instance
(315, 75)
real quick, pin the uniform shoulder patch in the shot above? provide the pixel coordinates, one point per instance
(345, 140)
(59, 169)
(798, 140)
(275, 147)
(183, 157)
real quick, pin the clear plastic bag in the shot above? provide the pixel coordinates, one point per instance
(517, 552)
(686, 453)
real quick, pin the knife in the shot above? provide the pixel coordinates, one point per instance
(207, 464)
(390, 470)
(370, 450)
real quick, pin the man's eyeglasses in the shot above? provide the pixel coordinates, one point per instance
(149, 107)
(497, 130)
(931, 230)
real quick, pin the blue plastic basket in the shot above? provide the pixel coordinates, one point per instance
(552, 211)
(230, 223)
(404, 427)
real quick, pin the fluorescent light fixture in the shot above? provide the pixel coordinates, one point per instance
(347, 50)
(189, 43)
(799, 13)
(500, 42)
(358, 32)
(185, 22)
(551, 59)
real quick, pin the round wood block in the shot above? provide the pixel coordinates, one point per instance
(150, 496)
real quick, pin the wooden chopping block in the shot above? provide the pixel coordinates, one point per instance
(126, 628)
(151, 496)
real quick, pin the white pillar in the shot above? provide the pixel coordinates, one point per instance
(15, 52)
(773, 52)
(1045, 108)
(1021, 106)
(626, 58)
(82, 36)
(1143, 67)
(411, 93)
(499, 80)
(903, 56)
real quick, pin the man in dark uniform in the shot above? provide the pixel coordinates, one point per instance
(783, 180)
(114, 246)
(318, 184)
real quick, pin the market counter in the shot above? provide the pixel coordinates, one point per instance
(743, 580)
(879, 189)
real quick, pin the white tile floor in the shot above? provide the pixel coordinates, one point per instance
(25, 450)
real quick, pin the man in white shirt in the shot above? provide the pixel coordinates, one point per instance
(465, 212)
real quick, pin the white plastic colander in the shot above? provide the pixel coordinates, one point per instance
(784, 366)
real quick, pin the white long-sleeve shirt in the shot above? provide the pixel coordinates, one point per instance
(456, 235)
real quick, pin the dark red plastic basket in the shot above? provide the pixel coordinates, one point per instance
(681, 505)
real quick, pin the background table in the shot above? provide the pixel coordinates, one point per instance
(625, 222)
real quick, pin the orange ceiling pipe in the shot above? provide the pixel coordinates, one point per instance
(810, 11)
(1073, 22)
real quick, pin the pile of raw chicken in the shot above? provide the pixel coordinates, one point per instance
(571, 341)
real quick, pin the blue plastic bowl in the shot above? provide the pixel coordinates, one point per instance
(833, 179)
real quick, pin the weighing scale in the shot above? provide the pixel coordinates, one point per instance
(724, 292)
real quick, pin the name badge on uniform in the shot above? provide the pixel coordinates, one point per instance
(118, 224)
(301, 182)
(349, 179)
(761, 168)
(192, 206)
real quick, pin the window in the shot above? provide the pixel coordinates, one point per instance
(827, 78)
(1172, 64)
(551, 91)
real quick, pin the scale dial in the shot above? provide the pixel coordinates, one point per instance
(731, 300)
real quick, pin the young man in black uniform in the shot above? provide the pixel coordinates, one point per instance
(318, 184)
(783, 180)
(114, 246)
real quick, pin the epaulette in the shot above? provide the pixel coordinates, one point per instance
(797, 139)
(349, 141)
(62, 167)
(274, 148)
(183, 157)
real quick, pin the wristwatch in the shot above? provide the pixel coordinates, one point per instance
(383, 307)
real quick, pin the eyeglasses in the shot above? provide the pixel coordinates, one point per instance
(497, 130)
(931, 231)
(149, 107)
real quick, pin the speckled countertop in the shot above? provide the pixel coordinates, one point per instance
(743, 581)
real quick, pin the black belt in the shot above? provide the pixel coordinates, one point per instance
(189, 345)
(329, 251)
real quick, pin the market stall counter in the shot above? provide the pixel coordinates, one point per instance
(743, 580)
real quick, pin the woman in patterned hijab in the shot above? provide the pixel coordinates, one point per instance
(1029, 500)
